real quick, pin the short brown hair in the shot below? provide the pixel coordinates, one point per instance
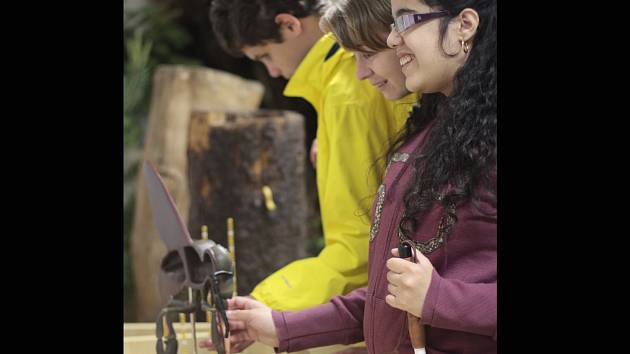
(240, 23)
(357, 23)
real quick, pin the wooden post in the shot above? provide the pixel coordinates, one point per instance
(177, 90)
(232, 156)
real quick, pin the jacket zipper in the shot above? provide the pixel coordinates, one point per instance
(384, 254)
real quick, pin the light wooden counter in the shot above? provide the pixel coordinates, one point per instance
(139, 338)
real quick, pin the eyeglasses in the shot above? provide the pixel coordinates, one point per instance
(402, 23)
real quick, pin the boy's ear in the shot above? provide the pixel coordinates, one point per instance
(290, 26)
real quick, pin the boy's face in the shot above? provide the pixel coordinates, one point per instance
(280, 59)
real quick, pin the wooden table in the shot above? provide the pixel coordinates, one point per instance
(139, 338)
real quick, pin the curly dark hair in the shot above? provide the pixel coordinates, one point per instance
(240, 23)
(458, 161)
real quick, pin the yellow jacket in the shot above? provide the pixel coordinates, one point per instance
(355, 126)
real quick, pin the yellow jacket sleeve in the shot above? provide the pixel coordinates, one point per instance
(350, 138)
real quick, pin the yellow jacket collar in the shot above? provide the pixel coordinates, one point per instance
(410, 99)
(308, 80)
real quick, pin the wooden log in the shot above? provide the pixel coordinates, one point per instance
(177, 90)
(231, 157)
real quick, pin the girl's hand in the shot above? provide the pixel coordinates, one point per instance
(408, 282)
(250, 321)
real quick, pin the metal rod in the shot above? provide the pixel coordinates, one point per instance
(165, 326)
(204, 232)
(232, 249)
(192, 320)
(209, 320)
(182, 319)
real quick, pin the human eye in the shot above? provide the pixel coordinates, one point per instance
(263, 57)
(366, 55)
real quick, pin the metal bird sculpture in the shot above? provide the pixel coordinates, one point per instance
(202, 268)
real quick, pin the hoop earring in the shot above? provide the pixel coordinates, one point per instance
(465, 46)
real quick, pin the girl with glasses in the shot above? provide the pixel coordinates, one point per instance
(438, 193)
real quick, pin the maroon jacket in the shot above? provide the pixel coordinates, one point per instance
(460, 309)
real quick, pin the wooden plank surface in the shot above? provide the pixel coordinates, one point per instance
(139, 338)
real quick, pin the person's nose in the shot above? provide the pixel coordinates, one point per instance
(272, 70)
(393, 39)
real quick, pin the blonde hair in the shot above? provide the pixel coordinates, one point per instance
(358, 23)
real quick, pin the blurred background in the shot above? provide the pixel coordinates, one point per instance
(179, 32)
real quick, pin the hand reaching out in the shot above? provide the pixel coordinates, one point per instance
(250, 321)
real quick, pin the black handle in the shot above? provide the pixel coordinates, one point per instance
(404, 250)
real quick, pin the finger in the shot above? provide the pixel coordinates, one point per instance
(235, 349)
(395, 252)
(239, 337)
(237, 325)
(238, 315)
(397, 265)
(392, 289)
(206, 344)
(234, 303)
(394, 278)
(391, 301)
(241, 303)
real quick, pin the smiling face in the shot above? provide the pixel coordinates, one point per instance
(422, 56)
(381, 69)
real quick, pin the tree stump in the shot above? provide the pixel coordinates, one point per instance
(231, 157)
(177, 90)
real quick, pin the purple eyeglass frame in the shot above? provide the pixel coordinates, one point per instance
(403, 22)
